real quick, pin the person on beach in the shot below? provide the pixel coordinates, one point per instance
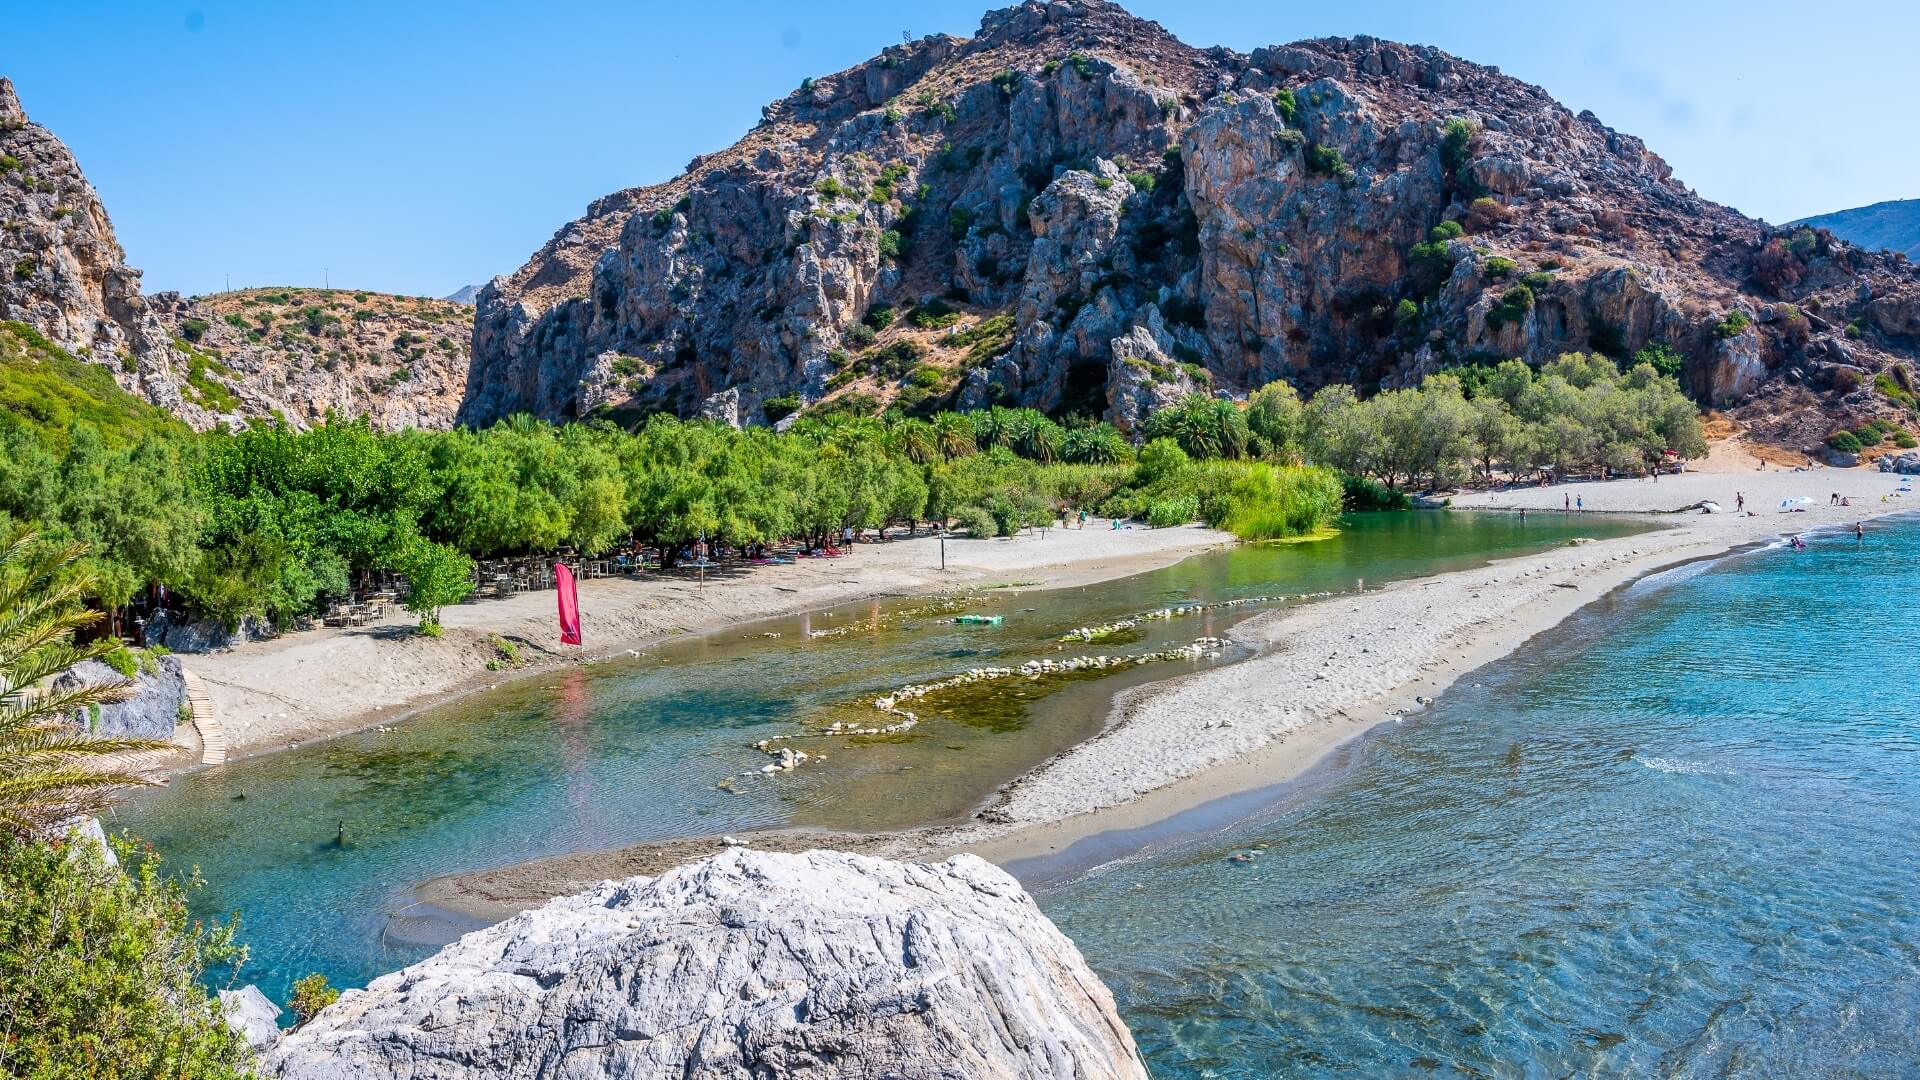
(1859, 531)
(1566, 502)
(1580, 503)
(1739, 501)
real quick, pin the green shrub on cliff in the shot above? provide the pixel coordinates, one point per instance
(1327, 161)
(1732, 325)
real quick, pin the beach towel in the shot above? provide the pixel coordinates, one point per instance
(569, 605)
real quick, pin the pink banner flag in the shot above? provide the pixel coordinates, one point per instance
(569, 605)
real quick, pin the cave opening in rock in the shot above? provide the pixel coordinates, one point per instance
(1086, 390)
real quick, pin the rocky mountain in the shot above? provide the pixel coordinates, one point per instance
(465, 294)
(301, 353)
(1076, 211)
(1884, 226)
(63, 274)
(822, 964)
(227, 359)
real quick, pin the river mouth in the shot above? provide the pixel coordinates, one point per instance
(1674, 835)
(318, 846)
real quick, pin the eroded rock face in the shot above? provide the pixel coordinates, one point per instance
(63, 273)
(747, 963)
(150, 710)
(298, 354)
(1071, 167)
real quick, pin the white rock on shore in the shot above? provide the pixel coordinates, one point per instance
(743, 964)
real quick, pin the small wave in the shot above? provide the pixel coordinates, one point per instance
(1680, 765)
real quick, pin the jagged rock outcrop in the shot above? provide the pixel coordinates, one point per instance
(822, 964)
(293, 353)
(150, 709)
(1073, 167)
(63, 273)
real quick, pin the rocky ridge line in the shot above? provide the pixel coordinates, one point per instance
(1148, 219)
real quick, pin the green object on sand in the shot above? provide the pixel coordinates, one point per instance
(979, 620)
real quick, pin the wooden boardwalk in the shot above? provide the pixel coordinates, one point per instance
(213, 741)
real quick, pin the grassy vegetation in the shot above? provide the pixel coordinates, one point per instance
(50, 391)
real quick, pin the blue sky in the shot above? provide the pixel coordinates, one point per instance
(415, 147)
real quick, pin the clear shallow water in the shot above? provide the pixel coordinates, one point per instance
(619, 753)
(1677, 837)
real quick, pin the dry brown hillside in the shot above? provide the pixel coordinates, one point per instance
(302, 353)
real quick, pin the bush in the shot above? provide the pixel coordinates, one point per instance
(1845, 441)
(1159, 460)
(1904, 439)
(860, 335)
(1664, 360)
(880, 316)
(1537, 279)
(934, 315)
(1456, 144)
(1445, 231)
(1735, 322)
(1287, 105)
(776, 409)
(1141, 181)
(1167, 513)
(123, 662)
(1328, 161)
(311, 993)
(1406, 314)
(101, 971)
(1366, 493)
(1430, 261)
(1270, 502)
(1513, 306)
(975, 522)
(890, 244)
(1497, 267)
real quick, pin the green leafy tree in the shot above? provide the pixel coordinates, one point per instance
(437, 576)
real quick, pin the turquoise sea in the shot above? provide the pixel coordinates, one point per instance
(1679, 836)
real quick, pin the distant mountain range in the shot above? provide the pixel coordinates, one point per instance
(464, 295)
(1888, 226)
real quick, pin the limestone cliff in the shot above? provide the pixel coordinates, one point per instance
(294, 353)
(63, 273)
(822, 964)
(1073, 208)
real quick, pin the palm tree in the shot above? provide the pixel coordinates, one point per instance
(955, 435)
(917, 440)
(46, 777)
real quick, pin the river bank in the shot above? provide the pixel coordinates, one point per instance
(1320, 675)
(303, 686)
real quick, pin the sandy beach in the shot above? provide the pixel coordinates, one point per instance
(305, 685)
(1320, 675)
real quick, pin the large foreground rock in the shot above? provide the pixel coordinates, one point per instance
(746, 964)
